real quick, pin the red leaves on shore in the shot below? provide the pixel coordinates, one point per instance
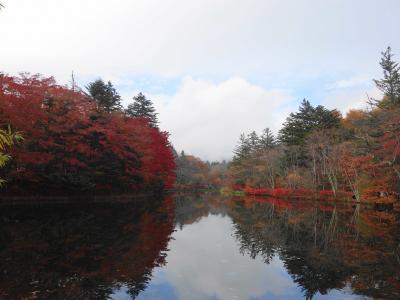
(68, 141)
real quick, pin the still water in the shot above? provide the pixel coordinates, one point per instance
(199, 247)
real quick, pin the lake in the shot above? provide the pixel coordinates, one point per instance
(199, 246)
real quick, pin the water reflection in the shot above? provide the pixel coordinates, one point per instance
(324, 247)
(80, 251)
(221, 248)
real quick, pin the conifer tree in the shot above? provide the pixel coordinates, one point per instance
(242, 149)
(267, 139)
(298, 125)
(105, 95)
(143, 107)
(390, 83)
(254, 141)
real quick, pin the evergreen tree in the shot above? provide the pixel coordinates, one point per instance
(298, 125)
(254, 141)
(105, 95)
(143, 107)
(267, 139)
(390, 84)
(243, 149)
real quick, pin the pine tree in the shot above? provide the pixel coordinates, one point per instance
(267, 139)
(298, 125)
(143, 107)
(242, 149)
(390, 84)
(105, 95)
(254, 141)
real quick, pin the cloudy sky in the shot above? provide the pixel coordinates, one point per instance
(214, 68)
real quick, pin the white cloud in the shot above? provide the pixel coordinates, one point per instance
(204, 262)
(344, 100)
(290, 44)
(206, 119)
(268, 38)
(350, 83)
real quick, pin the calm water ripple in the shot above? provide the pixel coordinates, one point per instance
(199, 247)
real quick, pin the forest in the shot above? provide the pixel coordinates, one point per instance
(56, 137)
(63, 140)
(317, 153)
(322, 153)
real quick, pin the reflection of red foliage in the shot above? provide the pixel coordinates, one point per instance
(66, 136)
(295, 193)
(329, 194)
(280, 192)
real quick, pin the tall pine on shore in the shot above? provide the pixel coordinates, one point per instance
(105, 95)
(390, 83)
(143, 108)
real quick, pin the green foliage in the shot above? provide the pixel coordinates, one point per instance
(267, 139)
(390, 83)
(7, 139)
(317, 149)
(142, 108)
(256, 159)
(252, 142)
(298, 125)
(105, 95)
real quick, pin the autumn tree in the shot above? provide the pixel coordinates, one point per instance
(256, 159)
(323, 151)
(142, 108)
(191, 171)
(317, 149)
(267, 163)
(72, 145)
(105, 95)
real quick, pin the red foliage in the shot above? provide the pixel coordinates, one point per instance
(279, 192)
(69, 141)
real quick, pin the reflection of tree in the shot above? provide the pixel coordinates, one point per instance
(88, 251)
(376, 255)
(250, 233)
(81, 251)
(190, 208)
(323, 247)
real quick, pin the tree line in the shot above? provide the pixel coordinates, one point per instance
(319, 150)
(80, 140)
(193, 173)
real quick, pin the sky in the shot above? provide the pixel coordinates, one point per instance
(213, 68)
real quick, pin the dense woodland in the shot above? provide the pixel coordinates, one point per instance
(63, 137)
(79, 141)
(318, 150)
(193, 173)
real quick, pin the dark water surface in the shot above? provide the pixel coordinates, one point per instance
(199, 247)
